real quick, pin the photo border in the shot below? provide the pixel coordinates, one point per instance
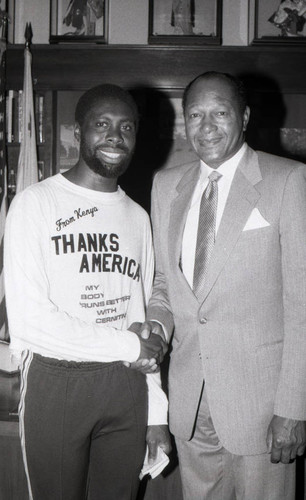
(56, 38)
(165, 39)
(269, 39)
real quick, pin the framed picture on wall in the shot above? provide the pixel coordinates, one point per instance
(280, 22)
(185, 22)
(4, 19)
(79, 21)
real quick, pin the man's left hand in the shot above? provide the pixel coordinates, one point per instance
(286, 439)
(158, 436)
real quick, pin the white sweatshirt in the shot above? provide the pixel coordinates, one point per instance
(78, 271)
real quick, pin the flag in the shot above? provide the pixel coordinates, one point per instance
(27, 172)
(4, 336)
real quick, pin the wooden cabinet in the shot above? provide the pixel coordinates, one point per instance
(268, 71)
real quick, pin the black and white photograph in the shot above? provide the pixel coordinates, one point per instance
(152, 250)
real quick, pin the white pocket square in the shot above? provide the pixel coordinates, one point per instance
(255, 221)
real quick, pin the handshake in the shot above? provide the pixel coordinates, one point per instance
(153, 346)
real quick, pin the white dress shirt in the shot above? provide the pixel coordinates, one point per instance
(227, 170)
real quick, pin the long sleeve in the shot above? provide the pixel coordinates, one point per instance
(158, 403)
(290, 399)
(35, 321)
(159, 308)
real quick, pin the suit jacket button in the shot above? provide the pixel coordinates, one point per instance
(203, 321)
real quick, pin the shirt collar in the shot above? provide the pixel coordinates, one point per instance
(226, 169)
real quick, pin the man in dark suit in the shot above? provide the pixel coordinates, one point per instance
(237, 374)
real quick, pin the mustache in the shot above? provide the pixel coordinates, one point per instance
(114, 149)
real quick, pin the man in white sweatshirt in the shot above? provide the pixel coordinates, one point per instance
(78, 275)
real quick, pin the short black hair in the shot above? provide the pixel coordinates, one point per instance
(104, 91)
(235, 83)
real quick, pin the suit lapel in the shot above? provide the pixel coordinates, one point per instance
(242, 198)
(178, 213)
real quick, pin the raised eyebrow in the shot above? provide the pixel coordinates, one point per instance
(100, 119)
(191, 111)
(105, 118)
(128, 122)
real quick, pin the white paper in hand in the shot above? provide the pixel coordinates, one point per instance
(155, 467)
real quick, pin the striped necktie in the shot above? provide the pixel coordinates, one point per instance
(206, 231)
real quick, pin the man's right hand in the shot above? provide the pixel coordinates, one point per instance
(152, 347)
(152, 344)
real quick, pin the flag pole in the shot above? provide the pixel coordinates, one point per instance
(4, 335)
(28, 34)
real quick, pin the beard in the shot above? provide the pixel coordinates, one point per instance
(108, 170)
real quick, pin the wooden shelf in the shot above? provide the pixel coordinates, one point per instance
(80, 66)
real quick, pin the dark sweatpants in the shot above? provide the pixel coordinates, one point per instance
(82, 426)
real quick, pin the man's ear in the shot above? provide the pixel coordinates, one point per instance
(77, 132)
(246, 117)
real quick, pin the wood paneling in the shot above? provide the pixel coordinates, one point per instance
(70, 66)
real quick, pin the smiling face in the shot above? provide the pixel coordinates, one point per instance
(108, 137)
(215, 124)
